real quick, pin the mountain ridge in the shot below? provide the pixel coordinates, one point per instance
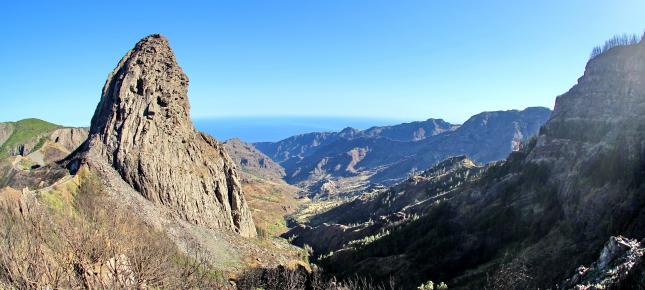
(329, 163)
(532, 219)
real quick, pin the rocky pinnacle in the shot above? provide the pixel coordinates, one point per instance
(143, 129)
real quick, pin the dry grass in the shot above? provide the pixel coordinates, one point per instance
(270, 203)
(310, 208)
(96, 247)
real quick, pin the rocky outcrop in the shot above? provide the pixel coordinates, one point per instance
(69, 138)
(252, 161)
(620, 266)
(142, 129)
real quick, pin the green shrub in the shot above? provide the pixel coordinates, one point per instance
(431, 286)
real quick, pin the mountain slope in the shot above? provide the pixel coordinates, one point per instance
(27, 145)
(252, 161)
(351, 160)
(413, 131)
(26, 137)
(19, 138)
(270, 198)
(547, 208)
(373, 214)
(300, 146)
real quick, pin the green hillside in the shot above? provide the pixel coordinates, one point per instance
(25, 131)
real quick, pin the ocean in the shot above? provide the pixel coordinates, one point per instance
(257, 129)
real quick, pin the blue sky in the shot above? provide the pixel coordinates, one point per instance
(404, 60)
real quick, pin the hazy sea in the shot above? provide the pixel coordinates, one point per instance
(257, 129)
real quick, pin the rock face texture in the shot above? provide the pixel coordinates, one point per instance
(142, 127)
(619, 266)
(69, 138)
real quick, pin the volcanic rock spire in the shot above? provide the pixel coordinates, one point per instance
(143, 129)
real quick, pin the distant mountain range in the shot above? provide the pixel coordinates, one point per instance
(141, 199)
(572, 196)
(328, 163)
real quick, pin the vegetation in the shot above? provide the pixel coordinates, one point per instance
(282, 278)
(25, 131)
(269, 202)
(369, 239)
(100, 246)
(428, 243)
(313, 208)
(618, 40)
(431, 286)
(513, 275)
(25, 163)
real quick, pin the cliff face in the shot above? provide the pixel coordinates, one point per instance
(142, 128)
(594, 145)
(69, 138)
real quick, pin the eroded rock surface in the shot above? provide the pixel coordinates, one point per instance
(619, 266)
(142, 128)
(69, 138)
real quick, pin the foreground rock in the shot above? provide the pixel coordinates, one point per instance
(620, 266)
(142, 130)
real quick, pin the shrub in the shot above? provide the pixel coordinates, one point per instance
(431, 286)
(290, 279)
(100, 245)
(426, 286)
(618, 40)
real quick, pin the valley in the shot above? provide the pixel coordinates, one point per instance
(349, 161)
(511, 199)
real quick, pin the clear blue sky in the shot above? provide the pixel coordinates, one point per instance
(406, 60)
